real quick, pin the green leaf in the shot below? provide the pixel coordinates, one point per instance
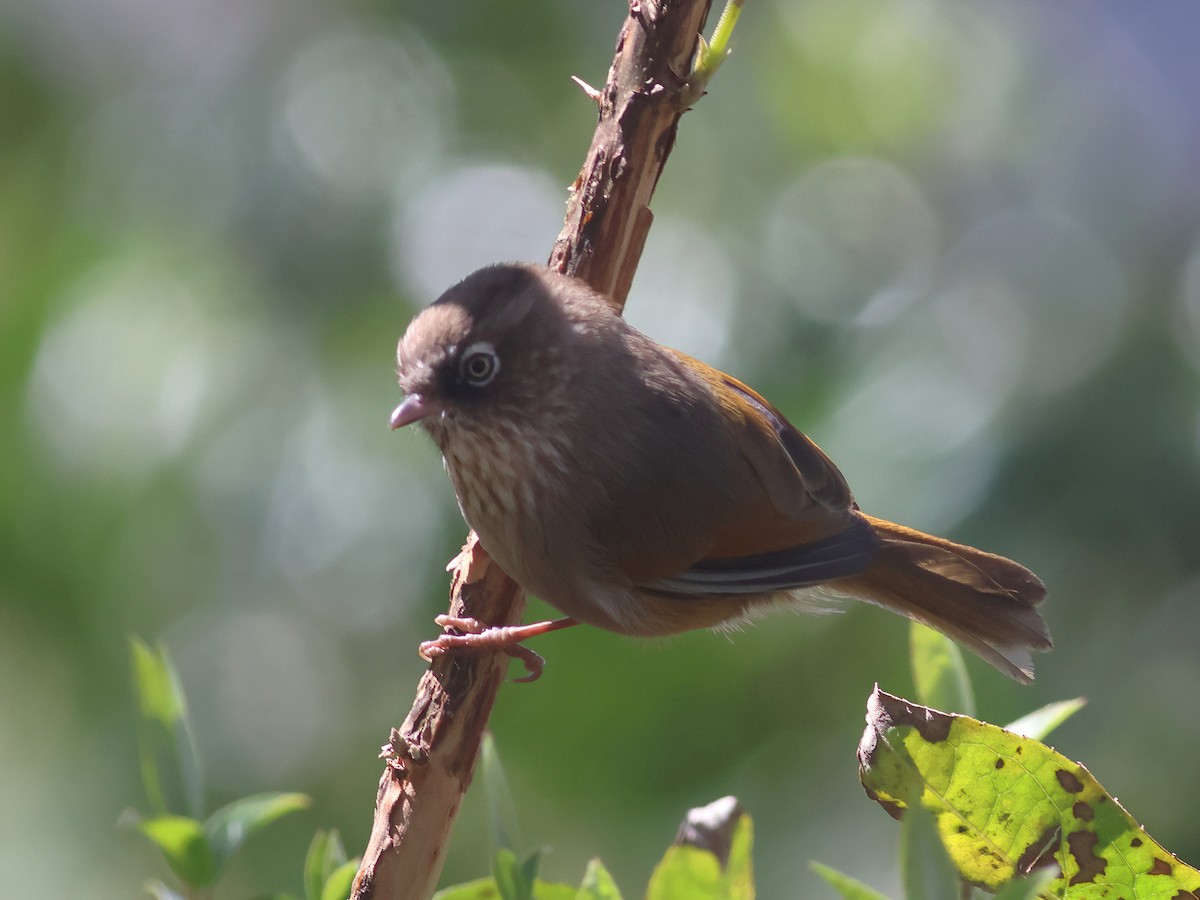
(687, 872)
(849, 888)
(1039, 723)
(529, 869)
(939, 672)
(160, 698)
(927, 871)
(1006, 805)
(597, 884)
(167, 755)
(512, 877)
(1028, 888)
(502, 813)
(739, 871)
(230, 826)
(481, 889)
(340, 881)
(486, 889)
(696, 874)
(325, 855)
(544, 890)
(185, 846)
(315, 864)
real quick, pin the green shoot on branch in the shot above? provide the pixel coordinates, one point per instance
(711, 53)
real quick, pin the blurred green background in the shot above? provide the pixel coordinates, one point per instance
(955, 240)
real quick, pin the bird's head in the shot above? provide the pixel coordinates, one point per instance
(491, 350)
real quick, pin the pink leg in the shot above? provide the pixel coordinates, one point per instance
(478, 637)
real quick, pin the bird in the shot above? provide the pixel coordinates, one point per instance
(638, 490)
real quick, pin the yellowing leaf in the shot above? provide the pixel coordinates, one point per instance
(1006, 805)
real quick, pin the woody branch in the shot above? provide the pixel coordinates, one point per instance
(430, 758)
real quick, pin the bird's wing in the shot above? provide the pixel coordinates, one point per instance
(804, 530)
(818, 476)
(841, 555)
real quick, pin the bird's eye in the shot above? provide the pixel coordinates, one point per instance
(479, 364)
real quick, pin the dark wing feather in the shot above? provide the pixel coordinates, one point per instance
(756, 507)
(838, 556)
(841, 555)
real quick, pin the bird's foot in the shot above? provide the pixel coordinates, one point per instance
(476, 637)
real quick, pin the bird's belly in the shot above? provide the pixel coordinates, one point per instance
(524, 510)
(508, 502)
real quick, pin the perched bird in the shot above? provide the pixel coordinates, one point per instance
(638, 490)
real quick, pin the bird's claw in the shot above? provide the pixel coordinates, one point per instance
(476, 637)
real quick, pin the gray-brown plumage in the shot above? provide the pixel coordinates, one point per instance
(639, 490)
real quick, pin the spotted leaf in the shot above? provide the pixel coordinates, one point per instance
(1007, 805)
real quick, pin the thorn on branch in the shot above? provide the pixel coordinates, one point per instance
(592, 93)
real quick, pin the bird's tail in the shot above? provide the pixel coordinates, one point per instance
(982, 600)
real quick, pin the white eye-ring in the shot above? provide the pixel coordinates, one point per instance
(479, 364)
